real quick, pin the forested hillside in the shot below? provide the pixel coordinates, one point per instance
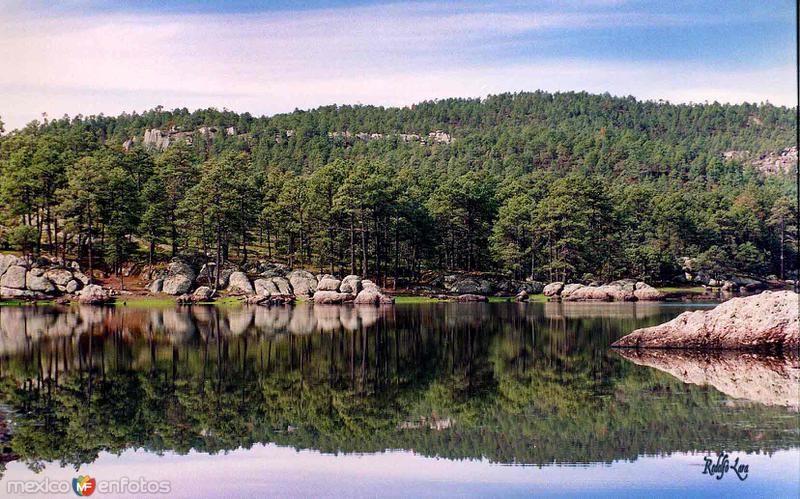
(566, 186)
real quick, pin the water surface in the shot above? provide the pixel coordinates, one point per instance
(456, 399)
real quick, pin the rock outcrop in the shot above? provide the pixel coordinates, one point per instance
(617, 291)
(239, 284)
(767, 321)
(39, 278)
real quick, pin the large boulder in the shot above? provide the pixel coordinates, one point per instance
(176, 285)
(283, 285)
(7, 261)
(767, 321)
(14, 277)
(646, 292)
(265, 287)
(624, 284)
(203, 293)
(303, 283)
(179, 280)
(239, 284)
(328, 284)
(59, 277)
(350, 284)
(606, 292)
(372, 296)
(95, 295)
(553, 289)
(326, 297)
(568, 289)
(39, 283)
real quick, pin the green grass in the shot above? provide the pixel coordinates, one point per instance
(695, 289)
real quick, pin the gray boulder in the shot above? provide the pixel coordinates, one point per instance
(238, 283)
(72, 286)
(14, 277)
(203, 293)
(350, 284)
(265, 287)
(468, 285)
(303, 283)
(7, 261)
(646, 292)
(531, 287)
(59, 277)
(39, 283)
(94, 295)
(176, 285)
(328, 284)
(283, 285)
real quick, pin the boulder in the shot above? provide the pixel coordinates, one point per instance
(595, 293)
(156, 286)
(350, 284)
(470, 298)
(94, 295)
(324, 297)
(372, 296)
(304, 284)
(176, 285)
(239, 284)
(39, 283)
(6, 261)
(767, 321)
(283, 285)
(569, 289)
(265, 287)
(521, 296)
(729, 286)
(203, 293)
(646, 292)
(178, 267)
(553, 289)
(367, 284)
(274, 270)
(59, 277)
(72, 286)
(328, 284)
(14, 277)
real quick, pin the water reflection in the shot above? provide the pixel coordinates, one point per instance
(514, 383)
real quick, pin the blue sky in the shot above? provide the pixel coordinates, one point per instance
(84, 56)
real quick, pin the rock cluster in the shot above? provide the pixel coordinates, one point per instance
(488, 284)
(619, 291)
(38, 279)
(274, 281)
(767, 321)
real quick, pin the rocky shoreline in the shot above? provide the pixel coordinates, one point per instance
(763, 322)
(269, 283)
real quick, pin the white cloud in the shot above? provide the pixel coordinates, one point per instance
(274, 62)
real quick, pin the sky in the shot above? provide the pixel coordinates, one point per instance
(91, 57)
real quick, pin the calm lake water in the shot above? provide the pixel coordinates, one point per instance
(498, 399)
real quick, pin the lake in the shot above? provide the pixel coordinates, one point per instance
(489, 399)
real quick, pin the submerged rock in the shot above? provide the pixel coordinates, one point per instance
(767, 321)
